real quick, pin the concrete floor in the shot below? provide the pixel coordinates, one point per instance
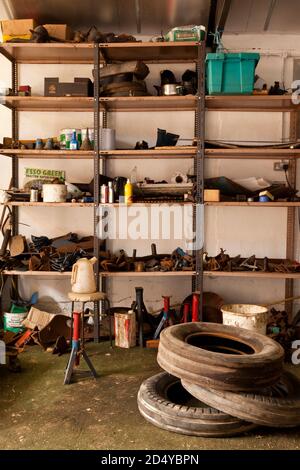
(38, 412)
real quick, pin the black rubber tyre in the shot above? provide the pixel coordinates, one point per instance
(165, 403)
(277, 406)
(220, 356)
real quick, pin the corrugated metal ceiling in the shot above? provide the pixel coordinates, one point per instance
(153, 16)
(129, 16)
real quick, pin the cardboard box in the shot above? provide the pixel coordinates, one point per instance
(211, 195)
(80, 87)
(17, 29)
(60, 31)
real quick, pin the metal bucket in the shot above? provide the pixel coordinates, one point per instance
(250, 317)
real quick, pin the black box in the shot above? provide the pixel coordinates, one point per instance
(80, 87)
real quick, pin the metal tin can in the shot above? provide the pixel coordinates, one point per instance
(34, 195)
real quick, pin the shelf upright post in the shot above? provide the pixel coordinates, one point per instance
(291, 216)
(97, 149)
(15, 136)
(198, 221)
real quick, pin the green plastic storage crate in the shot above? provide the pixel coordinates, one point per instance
(231, 73)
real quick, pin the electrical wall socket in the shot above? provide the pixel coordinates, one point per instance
(279, 166)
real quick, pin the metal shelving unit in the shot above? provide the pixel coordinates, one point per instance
(150, 53)
(95, 54)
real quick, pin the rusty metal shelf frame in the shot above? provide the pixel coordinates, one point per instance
(198, 213)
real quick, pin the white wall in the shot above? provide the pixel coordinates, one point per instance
(242, 231)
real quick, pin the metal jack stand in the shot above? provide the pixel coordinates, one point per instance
(77, 350)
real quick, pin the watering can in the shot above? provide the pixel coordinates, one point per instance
(83, 277)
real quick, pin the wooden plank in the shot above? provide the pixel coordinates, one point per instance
(49, 204)
(175, 152)
(152, 343)
(254, 204)
(47, 153)
(252, 275)
(68, 53)
(187, 274)
(250, 103)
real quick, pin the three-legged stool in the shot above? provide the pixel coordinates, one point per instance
(96, 298)
(77, 331)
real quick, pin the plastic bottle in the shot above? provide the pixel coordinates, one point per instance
(104, 194)
(74, 145)
(128, 192)
(111, 199)
(133, 175)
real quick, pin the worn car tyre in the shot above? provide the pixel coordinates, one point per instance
(165, 403)
(220, 356)
(276, 406)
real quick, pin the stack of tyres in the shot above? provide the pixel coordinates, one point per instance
(219, 381)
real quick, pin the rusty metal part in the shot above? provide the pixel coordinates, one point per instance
(220, 356)
(276, 406)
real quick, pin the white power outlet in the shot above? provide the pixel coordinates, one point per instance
(280, 166)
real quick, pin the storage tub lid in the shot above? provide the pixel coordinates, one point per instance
(233, 56)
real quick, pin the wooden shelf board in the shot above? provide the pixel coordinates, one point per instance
(149, 103)
(252, 153)
(67, 53)
(49, 204)
(250, 103)
(252, 275)
(52, 103)
(104, 274)
(67, 154)
(121, 103)
(254, 204)
(208, 274)
(152, 103)
(90, 204)
(176, 152)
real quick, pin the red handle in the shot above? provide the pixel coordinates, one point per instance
(166, 303)
(186, 311)
(195, 307)
(76, 326)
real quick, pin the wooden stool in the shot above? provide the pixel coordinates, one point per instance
(96, 298)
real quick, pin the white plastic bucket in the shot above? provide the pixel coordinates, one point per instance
(250, 317)
(54, 192)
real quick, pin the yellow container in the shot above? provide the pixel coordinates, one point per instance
(128, 192)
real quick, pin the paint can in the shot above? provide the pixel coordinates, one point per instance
(250, 317)
(125, 329)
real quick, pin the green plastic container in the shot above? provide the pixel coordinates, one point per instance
(231, 73)
(13, 319)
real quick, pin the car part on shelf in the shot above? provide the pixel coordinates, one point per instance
(165, 403)
(219, 356)
(277, 406)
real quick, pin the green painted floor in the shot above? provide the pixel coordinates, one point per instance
(38, 412)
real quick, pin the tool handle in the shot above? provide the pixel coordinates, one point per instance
(153, 249)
